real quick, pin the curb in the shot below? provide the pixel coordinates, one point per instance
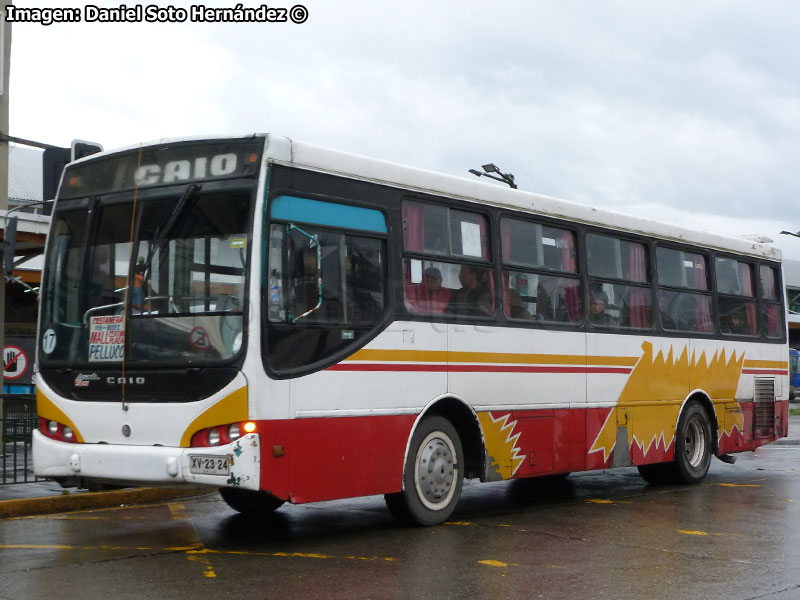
(69, 502)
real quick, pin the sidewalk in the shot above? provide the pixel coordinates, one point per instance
(24, 499)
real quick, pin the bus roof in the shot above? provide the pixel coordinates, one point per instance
(359, 167)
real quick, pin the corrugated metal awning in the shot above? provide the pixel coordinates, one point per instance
(24, 174)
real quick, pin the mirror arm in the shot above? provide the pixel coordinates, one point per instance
(316, 243)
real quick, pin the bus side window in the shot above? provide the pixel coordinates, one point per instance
(613, 304)
(533, 285)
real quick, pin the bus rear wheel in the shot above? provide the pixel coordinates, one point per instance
(433, 474)
(250, 502)
(693, 444)
(693, 447)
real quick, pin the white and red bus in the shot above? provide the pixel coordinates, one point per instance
(291, 323)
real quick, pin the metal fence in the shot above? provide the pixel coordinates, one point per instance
(17, 420)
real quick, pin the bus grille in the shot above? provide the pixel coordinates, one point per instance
(763, 407)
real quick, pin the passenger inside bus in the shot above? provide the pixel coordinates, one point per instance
(735, 320)
(739, 324)
(598, 315)
(474, 298)
(429, 296)
(516, 308)
(138, 284)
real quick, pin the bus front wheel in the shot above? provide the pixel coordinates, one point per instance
(250, 502)
(433, 474)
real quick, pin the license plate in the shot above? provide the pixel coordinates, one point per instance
(208, 465)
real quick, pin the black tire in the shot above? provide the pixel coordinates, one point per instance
(693, 444)
(693, 448)
(396, 503)
(659, 473)
(250, 502)
(432, 476)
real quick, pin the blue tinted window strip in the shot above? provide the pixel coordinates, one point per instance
(331, 214)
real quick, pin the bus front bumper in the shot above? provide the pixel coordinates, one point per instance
(236, 464)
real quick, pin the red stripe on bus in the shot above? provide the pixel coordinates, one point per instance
(764, 372)
(387, 367)
(475, 368)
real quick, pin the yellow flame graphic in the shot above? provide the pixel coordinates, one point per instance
(651, 399)
(501, 443)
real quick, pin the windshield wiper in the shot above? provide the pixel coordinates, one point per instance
(186, 200)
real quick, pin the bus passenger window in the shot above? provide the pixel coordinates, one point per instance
(737, 315)
(771, 309)
(679, 309)
(446, 285)
(534, 289)
(624, 305)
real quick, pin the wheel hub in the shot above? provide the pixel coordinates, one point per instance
(694, 445)
(435, 471)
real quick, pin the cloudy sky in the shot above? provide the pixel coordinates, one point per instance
(683, 111)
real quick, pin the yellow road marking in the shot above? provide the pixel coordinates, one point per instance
(689, 532)
(184, 548)
(194, 552)
(178, 512)
(492, 563)
(735, 485)
(496, 563)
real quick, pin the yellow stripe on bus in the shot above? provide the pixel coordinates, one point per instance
(436, 356)
(766, 364)
(230, 409)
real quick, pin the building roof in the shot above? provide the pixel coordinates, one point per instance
(24, 174)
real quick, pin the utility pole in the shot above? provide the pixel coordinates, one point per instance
(5, 67)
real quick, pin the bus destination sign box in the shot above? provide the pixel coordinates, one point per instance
(162, 165)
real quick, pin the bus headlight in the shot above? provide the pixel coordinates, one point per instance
(234, 433)
(67, 433)
(52, 427)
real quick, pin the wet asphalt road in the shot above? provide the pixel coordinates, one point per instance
(595, 535)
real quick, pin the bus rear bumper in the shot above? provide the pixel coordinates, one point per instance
(153, 465)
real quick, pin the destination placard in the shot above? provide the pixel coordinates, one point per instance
(107, 338)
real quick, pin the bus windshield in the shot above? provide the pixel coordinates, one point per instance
(176, 293)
